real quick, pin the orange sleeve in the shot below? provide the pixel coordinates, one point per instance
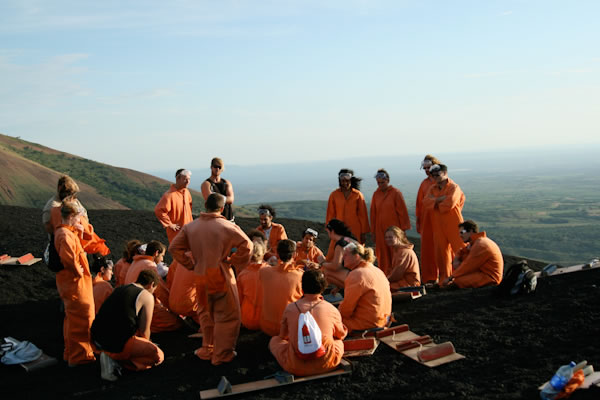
(339, 329)
(67, 251)
(400, 206)
(428, 199)
(178, 247)
(374, 212)
(162, 210)
(353, 289)
(478, 255)
(244, 251)
(331, 211)
(453, 198)
(363, 216)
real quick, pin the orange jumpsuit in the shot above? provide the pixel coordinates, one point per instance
(352, 211)
(90, 241)
(277, 233)
(162, 319)
(367, 298)
(387, 209)
(482, 266)
(74, 284)
(211, 238)
(285, 346)
(445, 218)
(139, 354)
(121, 268)
(183, 298)
(174, 207)
(102, 289)
(405, 267)
(250, 294)
(428, 264)
(302, 255)
(281, 285)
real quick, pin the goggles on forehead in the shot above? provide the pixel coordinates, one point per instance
(185, 172)
(312, 232)
(345, 175)
(382, 175)
(264, 211)
(426, 164)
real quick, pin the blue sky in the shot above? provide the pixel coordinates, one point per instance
(154, 85)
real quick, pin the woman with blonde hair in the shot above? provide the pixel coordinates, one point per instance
(404, 269)
(367, 300)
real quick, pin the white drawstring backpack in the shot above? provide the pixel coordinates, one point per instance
(310, 344)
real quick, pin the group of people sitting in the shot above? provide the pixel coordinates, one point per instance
(222, 278)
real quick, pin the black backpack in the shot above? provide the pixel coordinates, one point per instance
(519, 279)
(51, 257)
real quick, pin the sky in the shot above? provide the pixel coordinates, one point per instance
(157, 85)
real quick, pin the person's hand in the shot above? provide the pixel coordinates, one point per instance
(174, 227)
(79, 227)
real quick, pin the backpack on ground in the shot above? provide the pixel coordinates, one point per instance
(519, 279)
(51, 257)
(310, 344)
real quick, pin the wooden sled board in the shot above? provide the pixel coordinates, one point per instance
(568, 270)
(345, 368)
(392, 340)
(42, 362)
(12, 261)
(370, 345)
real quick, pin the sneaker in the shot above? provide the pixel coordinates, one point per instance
(108, 368)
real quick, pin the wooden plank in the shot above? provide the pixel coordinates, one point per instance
(13, 262)
(568, 270)
(345, 368)
(9, 261)
(360, 347)
(42, 362)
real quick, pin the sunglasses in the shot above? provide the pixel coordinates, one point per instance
(217, 166)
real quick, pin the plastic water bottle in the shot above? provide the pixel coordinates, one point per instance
(560, 379)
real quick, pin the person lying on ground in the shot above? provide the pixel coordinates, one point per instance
(121, 330)
(249, 288)
(481, 263)
(334, 269)
(273, 232)
(281, 285)
(284, 347)
(367, 300)
(102, 272)
(405, 265)
(307, 252)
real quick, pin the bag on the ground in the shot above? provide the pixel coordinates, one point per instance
(519, 279)
(310, 344)
(51, 257)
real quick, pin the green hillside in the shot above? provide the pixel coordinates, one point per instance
(311, 210)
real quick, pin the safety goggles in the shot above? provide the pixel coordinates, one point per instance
(264, 211)
(382, 175)
(426, 164)
(312, 232)
(345, 175)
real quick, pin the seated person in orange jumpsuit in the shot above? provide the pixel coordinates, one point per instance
(348, 205)
(367, 300)
(74, 284)
(481, 265)
(405, 265)
(212, 239)
(121, 330)
(249, 288)
(183, 294)
(285, 346)
(174, 209)
(334, 270)
(102, 271)
(258, 236)
(122, 266)
(273, 232)
(162, 318)
(281, 285)
(307, 252)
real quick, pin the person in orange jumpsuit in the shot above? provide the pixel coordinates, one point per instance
(284, 347)
(102, 270)
(121, 330)
(429, 269)
(444, 202)
(74, 284)
(249, 289)
(122, 266)
(387, 209)
(216, 184)
(216, 245)
(367, 300)
(174, 209)
(348, 205)
(404, 269)
(482, 265)
(183, 294)
(273, 232)
(307, 253)
(281, 285)
(68, 190)
(162, 318)
(334, 270)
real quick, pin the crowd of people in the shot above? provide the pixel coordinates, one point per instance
(222, 278)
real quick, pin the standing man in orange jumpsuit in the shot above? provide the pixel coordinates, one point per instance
(216, 245)
(74, 284)
(216, 184)
(348, 205)
(481, 264)
(444, 201)
(274, 232)
(174, 209)
(428, 264)
(387, 209)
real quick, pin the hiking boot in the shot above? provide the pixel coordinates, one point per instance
(109, 368)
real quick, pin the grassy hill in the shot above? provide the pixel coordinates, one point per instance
(30, 171)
